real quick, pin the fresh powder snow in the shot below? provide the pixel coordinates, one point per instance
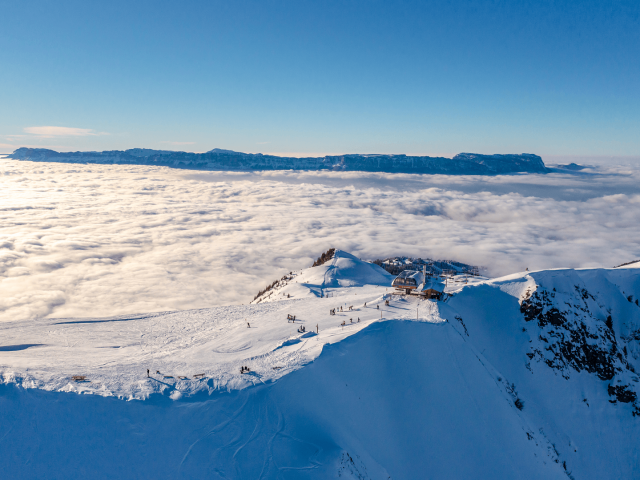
(527, 376)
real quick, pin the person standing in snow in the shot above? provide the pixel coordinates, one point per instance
(147, 373)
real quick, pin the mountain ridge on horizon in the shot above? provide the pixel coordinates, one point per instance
(221, 159)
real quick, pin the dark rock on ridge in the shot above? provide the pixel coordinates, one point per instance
(573, 335)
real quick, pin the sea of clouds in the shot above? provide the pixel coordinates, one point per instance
(99, 240)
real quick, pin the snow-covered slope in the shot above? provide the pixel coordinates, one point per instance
(526, 376)
(219, 159)
(114, 352)
(566, 343)
(343, 270)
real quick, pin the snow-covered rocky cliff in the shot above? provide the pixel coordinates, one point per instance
(218, 159)
(527, 376)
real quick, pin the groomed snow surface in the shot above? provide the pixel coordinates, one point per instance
(415, 389)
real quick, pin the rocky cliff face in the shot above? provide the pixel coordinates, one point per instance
(217, 159)
(564, 346)
(574, 324)
(576, 332)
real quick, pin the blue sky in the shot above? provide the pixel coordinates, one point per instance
(548, 77)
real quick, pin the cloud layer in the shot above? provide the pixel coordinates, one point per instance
(78, 240)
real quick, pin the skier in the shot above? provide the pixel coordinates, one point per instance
(147, 373)
(248, 326)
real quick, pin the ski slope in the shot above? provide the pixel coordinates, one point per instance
(114, 353)
(480, 386)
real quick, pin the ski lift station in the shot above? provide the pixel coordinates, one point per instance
(418, 283)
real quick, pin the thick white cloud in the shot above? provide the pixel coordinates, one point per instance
(79, 240)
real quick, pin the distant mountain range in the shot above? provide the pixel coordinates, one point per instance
(218, 159)
(395, 265)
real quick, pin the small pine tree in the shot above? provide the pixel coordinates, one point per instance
(324, 258)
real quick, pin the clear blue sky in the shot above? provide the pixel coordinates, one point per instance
(429, 77)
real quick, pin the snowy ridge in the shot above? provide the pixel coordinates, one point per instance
(532, 375)
(219, 159)
(583, 320)
(343, 270)
(114, 352)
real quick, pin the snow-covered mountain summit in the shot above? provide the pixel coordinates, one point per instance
(533, 375)
(341, 270)
(220, 159)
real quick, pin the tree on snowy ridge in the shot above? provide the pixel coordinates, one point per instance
(324, 258)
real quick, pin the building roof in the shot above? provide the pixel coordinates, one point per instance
(432, 283)
(408, 279)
